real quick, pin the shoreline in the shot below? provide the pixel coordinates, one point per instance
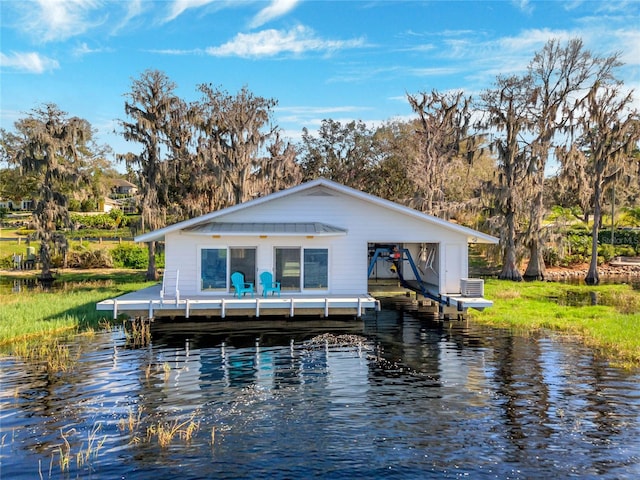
(609, 271)
(552, 274)
(65, 271)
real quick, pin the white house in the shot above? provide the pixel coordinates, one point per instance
(123, 187)
(319, 240)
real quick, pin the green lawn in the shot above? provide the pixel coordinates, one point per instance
(612, 326)
(37, 313)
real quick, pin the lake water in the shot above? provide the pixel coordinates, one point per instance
(408, 397)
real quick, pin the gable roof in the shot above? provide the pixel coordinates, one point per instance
(121, 182)
(473, 236)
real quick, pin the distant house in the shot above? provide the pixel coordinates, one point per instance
(107, 204)
(319, 240)
(17, 205)
(123, 187)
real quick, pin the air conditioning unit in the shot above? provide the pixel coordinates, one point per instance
(472, 287)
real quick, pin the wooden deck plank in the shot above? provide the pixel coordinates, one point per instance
(147, 302)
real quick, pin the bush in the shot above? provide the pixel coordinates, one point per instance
(570, 260)
(88, 205)
(6, 262)
(625, 251)
(103, 221)
(127, 255)
(119, 218)
(551, 257)
(90, 259)
(580, 244)
(74, 205)
(606, 252)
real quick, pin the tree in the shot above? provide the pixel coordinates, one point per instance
(341, 152)
(504, 108)
(279, 170)
(557, 74)
(443, 120)
(396, 144)
(234, 130)
(609, 133)
(155, 111)
(54, 148)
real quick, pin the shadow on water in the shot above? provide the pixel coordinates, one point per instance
(398, 394)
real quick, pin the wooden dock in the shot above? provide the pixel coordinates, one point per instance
(148, 303)
(449, 303)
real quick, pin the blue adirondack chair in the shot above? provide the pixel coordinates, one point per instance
(268, 285)
(241, 287)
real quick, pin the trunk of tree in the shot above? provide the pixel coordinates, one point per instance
(509, 268)
(592, 277)
(45, 260)
(536, 267)
(152, 271)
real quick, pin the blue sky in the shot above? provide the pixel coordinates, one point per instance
(344, 60)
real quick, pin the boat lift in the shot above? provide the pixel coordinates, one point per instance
(418, 286)
(470, 297)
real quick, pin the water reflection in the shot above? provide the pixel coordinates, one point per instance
(413, 398)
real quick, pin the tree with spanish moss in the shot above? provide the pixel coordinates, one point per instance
(558, 73)
(54, 148)
(154, 111)
(506, 124)
(443, 132)
(235, 132)
(609, 132)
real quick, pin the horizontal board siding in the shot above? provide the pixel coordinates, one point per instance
(365, 223)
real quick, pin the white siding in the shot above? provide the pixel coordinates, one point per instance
(348, 262)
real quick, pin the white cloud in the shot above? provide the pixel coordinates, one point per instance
(83, 49)
(30, 62)
(55, 20)
(269, 43)
(133, 9)
(630, 39)
(308, 110)
(523, 5)
(275, 9)
(175, 51)
(532, 40)
(432, 71)
(179, 6)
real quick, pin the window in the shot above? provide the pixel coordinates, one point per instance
(316, 268)
(243, 260)
(310, 274)
(215, 272)
(288, 268)
(213, 269)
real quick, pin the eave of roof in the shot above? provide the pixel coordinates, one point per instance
(473, 236)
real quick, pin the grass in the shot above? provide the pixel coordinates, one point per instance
(18, 245)
(162, 431)
(37, 313)
(165, 432)
(612, 326)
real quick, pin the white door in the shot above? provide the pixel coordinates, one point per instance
(452, 268)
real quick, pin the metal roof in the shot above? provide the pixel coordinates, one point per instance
(258, 228)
